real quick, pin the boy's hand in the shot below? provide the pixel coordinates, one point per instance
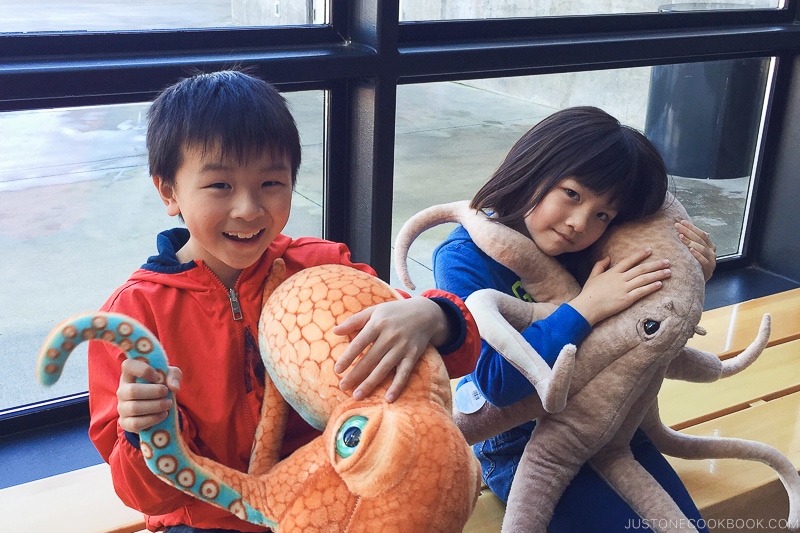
(610, 290)
(143, 405)
(399, 332)
(700, 245)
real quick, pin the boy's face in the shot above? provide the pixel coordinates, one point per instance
(233, 211)
(569, 218)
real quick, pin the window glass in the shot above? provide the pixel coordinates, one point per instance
(454, 10)
(79, 213)
(116, 15)
(705, 118)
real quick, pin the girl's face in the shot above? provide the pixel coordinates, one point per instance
(569, 218)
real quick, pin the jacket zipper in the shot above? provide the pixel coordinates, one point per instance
(238, 316)
(233, 296)
(236, 307)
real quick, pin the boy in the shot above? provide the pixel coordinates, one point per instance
(223, 153)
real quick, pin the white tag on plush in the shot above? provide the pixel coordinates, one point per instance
(468, 398)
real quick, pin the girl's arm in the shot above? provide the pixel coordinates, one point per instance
(610, 290)
(700, 245)
(461, 268)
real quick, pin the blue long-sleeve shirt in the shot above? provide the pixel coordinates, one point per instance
(460, 267)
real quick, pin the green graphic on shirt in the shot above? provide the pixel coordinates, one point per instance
(519, 291)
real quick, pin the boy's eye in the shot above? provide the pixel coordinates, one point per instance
(219, 185)
(272, 183)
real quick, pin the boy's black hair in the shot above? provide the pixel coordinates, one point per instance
(584, 143)
(230, 111)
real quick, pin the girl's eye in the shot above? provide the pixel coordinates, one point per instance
(604, 217)
(572, 194)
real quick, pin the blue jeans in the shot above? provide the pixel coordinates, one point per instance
(588, 505)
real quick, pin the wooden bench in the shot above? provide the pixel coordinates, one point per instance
(81, 501)
(762, 403)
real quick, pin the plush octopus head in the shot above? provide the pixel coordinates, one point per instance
(405, 461)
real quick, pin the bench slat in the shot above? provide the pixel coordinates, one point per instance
(82, 501)
(728, 488)
(775, 373)
(723, 489)
(732, 328)
(488, 514)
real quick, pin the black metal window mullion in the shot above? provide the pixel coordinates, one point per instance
(363, 213)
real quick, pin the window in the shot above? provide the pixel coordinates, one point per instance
(79, 214)
(381, 98)
(114, 15)
(703, 117)
(454, 10)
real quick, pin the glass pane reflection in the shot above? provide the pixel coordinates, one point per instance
(451, 136)
(118, 15)
(455, 10)
(78, 214)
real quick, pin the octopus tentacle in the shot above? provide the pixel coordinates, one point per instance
(163, 449)
(499, 317)
(540, 274)
(685, 446)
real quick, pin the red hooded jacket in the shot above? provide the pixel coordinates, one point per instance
(190, 311)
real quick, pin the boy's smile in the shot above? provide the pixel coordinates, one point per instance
(242, 237)
(233, 209)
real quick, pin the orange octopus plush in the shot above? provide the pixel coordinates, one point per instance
(378, 466)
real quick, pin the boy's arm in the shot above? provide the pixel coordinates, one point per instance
(392, 337)
(460, 347)
(460, 350)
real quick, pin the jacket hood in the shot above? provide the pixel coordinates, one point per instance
(166, 269)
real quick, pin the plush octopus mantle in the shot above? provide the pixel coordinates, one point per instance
(378, 466)
(589, 405)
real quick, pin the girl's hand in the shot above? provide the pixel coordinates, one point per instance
(395, 335)
(610, 290)
(700, 245)
(143, 405)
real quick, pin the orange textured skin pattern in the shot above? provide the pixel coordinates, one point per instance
(377, 466)
(409, 469)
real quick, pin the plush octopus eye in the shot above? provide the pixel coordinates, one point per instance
(349, 436)
(651, 326)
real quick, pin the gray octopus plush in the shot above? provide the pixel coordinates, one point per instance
(589, 405)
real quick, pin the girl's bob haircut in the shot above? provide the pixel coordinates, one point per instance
(588, 145)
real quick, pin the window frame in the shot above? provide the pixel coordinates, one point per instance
(359, 59)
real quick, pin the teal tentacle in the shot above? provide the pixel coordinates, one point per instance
(164, 451)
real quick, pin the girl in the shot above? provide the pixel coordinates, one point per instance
(563, 184)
